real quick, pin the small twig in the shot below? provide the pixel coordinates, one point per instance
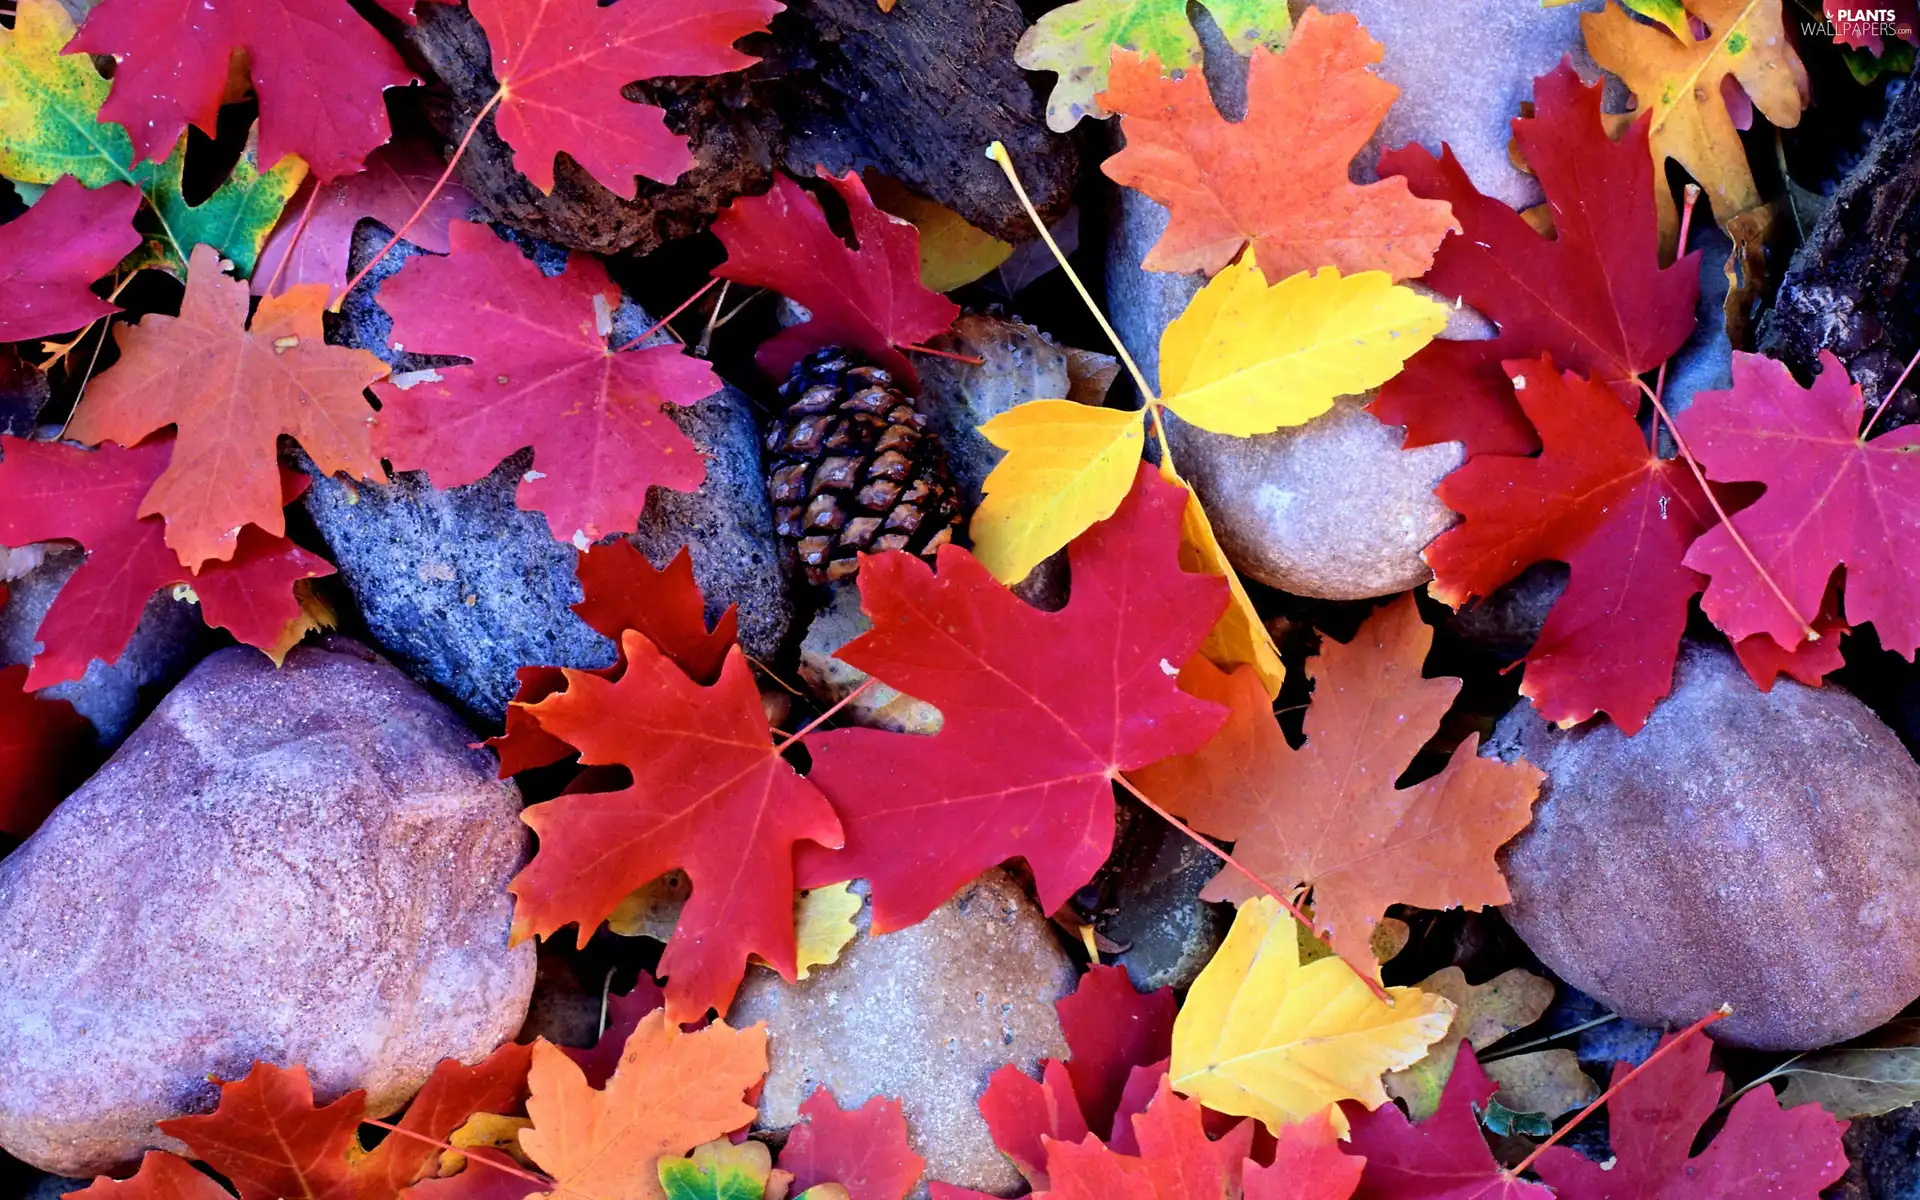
(1888, 398)
(1686, 223)
(306, 214)
(740, 307)
(919, 349)
(432, 194)
(94, 361)
(1725, 1010)
(1807, 631)
(1752, 1084)
(606, 996)
(1237, 865)
(661, 323)
(822, 719)
(1535, 1044)
(706, 335)
(772, 674)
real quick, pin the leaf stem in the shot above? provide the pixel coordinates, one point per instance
(1725, 1010)
(432, 194)
(661, 323)
(306, 214)
(1754, 1083)
(1686, 223)
(824, 717)
(919, 349)
(1807, 632)
(1524, 1047)
(529, 1176)
(1888, 398)
(1237, 865)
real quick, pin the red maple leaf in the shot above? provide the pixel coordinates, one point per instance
(1025, 1116)
(398, 177)
(1621, 518)
(1444, 1157)
(542, 375)
(50, 491)
(40, 743)
(869, 297)
(1593, 295)
(710, 796)
(864, 1149)
(1308, 1164)
(1833, 499)
(269, 1138)
(622, 591)
(173, 70)
(1761, 1151)
(162, 1176)
(1042, 710)
(51, 254)
(562, 65)
(599, 1061)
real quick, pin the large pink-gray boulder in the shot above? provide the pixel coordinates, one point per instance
(1758, 849)
(304, 866)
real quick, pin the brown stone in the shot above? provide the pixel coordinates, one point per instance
(303, 866)
(1757, 849)
(926, 1014)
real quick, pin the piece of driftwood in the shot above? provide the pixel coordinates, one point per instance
(917, 94)
(1854, 287)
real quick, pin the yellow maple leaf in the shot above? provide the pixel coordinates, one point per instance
(1246, 358)
(1680, 80)
(671, 1092)
(1263, 1036)
(1068, 467)
(1239, 636)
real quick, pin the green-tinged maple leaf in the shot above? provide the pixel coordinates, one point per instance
(49, 127)
(1077, 40)
(718, 1171)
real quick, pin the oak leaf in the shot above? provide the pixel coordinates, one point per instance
(1483, 1014)
(1278, 179)
(1680, 82)
(1076, 41)
(399, 177)
(50, 491)
(1653, 1122)
(270, 1139)
(711, 796)
(1833, 499)
(1041, 711)
(174, 62)
(1328, 816)
(1621, 518)
(869, 298)
(1593, 295)
(864, 1150)
(540, 374)
(672, 1091)
(231, 390)
(51, 254)
(1444, 1157)
(563, 66)
(1262, 1036)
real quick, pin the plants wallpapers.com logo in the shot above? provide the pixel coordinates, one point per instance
(1853, 25)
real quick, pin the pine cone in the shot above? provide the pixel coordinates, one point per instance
(852, 467)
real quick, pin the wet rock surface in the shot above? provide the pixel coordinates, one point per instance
(302, 866)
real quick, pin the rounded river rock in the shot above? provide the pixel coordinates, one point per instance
(304, 866)
(1758, 849)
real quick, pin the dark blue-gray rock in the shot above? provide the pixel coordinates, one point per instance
(1746, 848)
(169, 639)
(1151, 906)
(304, 865)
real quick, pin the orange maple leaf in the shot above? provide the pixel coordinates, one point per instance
(671, 1092)
(1279, 178)
(231, 391)
(1328, 815)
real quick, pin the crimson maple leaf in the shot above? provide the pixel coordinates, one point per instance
(864, 1149)
(624, 1010)
(271, 1140)
(1762, 1150)
(50, 491)
(1621, 518)
(162, 1176)
(51, 254)
(174, 66)
(40, 744)
(622, 591)
(1593, 296)
(542, 375)
(869, 298)
(1041, 711)
(710, 796)
(1833, 498)
(1177, 1161)
(563, 65)
(1444, 1157)
(1328, 815)
(398, 177)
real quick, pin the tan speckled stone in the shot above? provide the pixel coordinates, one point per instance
(306, 866)
(926, 1014)
(1761, 850)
